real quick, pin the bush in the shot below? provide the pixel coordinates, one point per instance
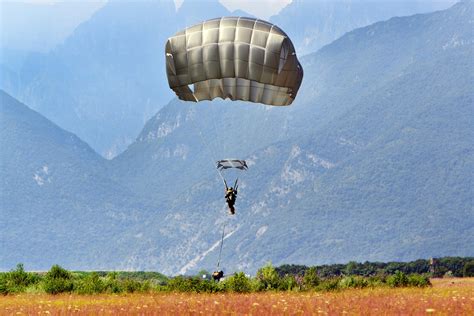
(376, 281)
(311, 279)
(3, 284)
(197, 285)
(132, 286)
(268, 278)
(326, 285)
(91, 284)
(112, 284)
(399, 279)
(238, 283)
(288, 283)
(418, 280)
(17, 280)
(468, 269)
(354, 282)
(58, 280)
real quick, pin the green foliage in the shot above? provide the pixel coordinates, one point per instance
(91, 284)
(239, 283)
(293, 269)
(326, 285)
(311, 279)
(355, 282)
(468, 270)
(3, 284)
(131, 286)
(58, 280)
(368, 269)
(418, 280)
(399, 279)
(17, 280)
(193, 284)
(288, 283)
(268, 277)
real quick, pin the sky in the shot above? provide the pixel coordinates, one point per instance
(259, 8)
(26, 24)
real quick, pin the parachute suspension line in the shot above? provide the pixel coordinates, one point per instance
(220, 250)
(211, 152)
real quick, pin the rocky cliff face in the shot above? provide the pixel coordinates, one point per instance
(372, 162)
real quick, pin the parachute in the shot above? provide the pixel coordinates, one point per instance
(232, 163)
(233, 57)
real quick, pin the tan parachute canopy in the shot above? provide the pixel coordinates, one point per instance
(233, 57)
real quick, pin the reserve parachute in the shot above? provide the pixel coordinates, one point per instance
(232, 163)
(237, 58)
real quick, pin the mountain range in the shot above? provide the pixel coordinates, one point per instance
(373, 161)
(107, 78)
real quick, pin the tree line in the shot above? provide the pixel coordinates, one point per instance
(268, 278)
(435, 267)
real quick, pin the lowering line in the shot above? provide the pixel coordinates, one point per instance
(220, 250)
(210, 150)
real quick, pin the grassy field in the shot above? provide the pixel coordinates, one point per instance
(446, 297)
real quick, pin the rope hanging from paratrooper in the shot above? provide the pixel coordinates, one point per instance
(220, 250)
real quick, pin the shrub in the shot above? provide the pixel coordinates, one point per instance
(17, 280)
(331, 284)
(268, 277)
(399, 279)
(132, 286)
(112, 284)
(3, 284)
(238, 283)
(355, 282)
(288, 283)
(311, 279)
(376, 281)
(468, 269)
(58, 280)
(418, 280)
(91, 284)
(197, 285)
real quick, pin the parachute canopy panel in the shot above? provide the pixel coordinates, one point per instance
(233, 57)
(232, 163)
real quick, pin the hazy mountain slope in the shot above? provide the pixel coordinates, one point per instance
(315, 23)
(374, 160)
(57, 203)
(39, 27)
(107, 79)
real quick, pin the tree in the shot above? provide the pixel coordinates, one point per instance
(468, 270)
(58, 280)
(268, 277)
(311, 278)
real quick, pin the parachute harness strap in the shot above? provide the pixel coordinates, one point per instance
(208, 147)
(220, 250)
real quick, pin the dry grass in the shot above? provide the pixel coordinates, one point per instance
(446, 297)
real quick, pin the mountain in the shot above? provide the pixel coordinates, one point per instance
(39, 27)
(58, 205)
(108, 78)
(314, 23)
(373, 161)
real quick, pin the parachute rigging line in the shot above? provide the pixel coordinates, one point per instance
(203, 141)
(220, 250)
